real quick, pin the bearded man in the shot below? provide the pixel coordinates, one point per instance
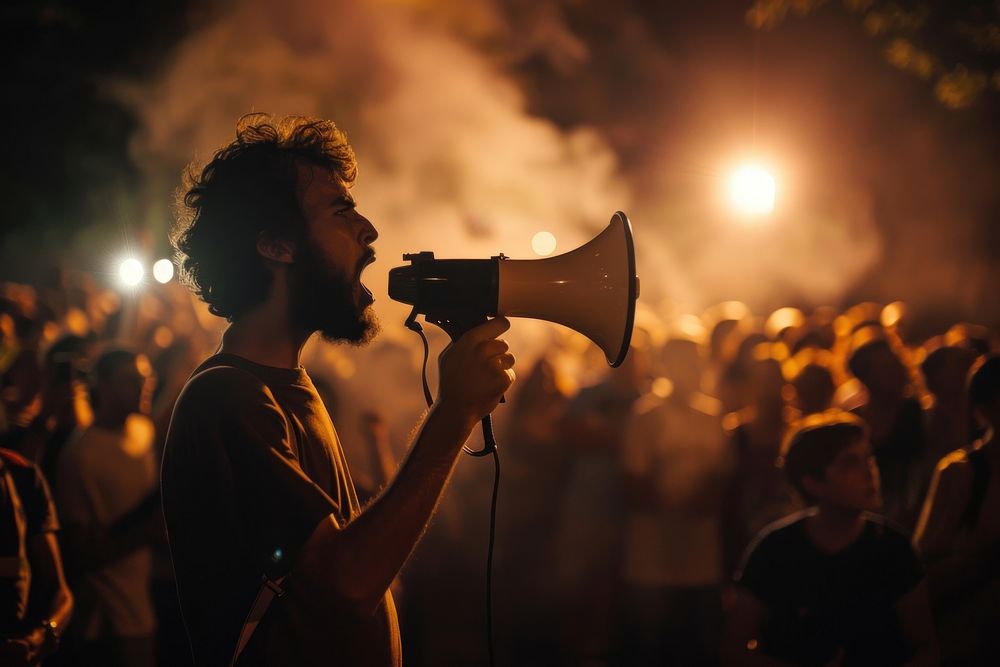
(276, 561)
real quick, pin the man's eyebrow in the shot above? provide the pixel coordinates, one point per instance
(344, 199)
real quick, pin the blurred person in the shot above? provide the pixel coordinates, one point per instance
(66, 403)
(537, 460)
(726, 324)
(735, 386)
(818, 331)
(589, 531)
(255, 485)
(757, 492)
(107, 495)
(21, 379)
(675, 465)
(375, 434)
(895, 418)
(833, 584)
(948, 428)
(959, 532)
(171, 367)
(812, 381)
(786, 325)
(35, 602)
(981, 340)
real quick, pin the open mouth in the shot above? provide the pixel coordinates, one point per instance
(366, 294)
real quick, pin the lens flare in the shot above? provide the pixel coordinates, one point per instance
(543, 243)
(751, 190)
(163, 270)
(131, 272)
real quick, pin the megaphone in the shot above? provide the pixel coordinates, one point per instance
(592, 289)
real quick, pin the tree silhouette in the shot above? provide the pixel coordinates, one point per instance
(953, 44)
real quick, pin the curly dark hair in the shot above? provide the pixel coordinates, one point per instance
(250, 187)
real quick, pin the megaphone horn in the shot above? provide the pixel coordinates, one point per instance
(592, 289)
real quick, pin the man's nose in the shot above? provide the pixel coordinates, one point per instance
(368, 231)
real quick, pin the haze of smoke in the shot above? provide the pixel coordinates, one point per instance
(450, 160)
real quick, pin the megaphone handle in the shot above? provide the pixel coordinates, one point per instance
(455, 328)
(489, 441)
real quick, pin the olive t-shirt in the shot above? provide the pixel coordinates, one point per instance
(819, 603)
(252, 464)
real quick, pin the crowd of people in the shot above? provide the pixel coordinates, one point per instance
(812, 488)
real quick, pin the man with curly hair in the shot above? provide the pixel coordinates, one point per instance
(276, 561)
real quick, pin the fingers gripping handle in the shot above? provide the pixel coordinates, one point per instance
(456, 327)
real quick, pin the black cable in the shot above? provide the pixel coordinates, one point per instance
(412, 324)
(489, 554)
(489, 447)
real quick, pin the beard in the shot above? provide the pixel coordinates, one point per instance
(325, 300)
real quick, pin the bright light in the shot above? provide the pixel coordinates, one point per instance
(131, 272)
(543, 243)
(751, 190)
(163, 270)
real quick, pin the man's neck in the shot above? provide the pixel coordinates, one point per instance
(265, 336)
(833, 529)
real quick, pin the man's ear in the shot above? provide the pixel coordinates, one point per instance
(275, 249)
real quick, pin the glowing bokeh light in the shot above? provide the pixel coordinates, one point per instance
(131, 272)
(751, 190)
(543, 243)
(163, 270)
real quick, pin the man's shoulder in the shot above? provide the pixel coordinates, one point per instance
(781, 533)
(216, 375)
(215, 385)
(770, 553)
(223, 403)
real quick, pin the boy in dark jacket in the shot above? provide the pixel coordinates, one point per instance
(833, 584)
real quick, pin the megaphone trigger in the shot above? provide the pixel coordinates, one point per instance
(457, 325)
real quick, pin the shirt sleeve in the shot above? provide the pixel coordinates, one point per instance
(240, 439)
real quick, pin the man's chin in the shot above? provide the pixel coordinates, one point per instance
(360, 332)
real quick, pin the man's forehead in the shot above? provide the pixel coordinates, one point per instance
(322, 181)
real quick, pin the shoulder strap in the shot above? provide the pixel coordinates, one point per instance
(980, 483)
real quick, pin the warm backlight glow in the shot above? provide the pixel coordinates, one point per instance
(543, 243)
(163, 270)
(131, 272)
(751, 190)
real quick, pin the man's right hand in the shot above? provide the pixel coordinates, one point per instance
(475, 371)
